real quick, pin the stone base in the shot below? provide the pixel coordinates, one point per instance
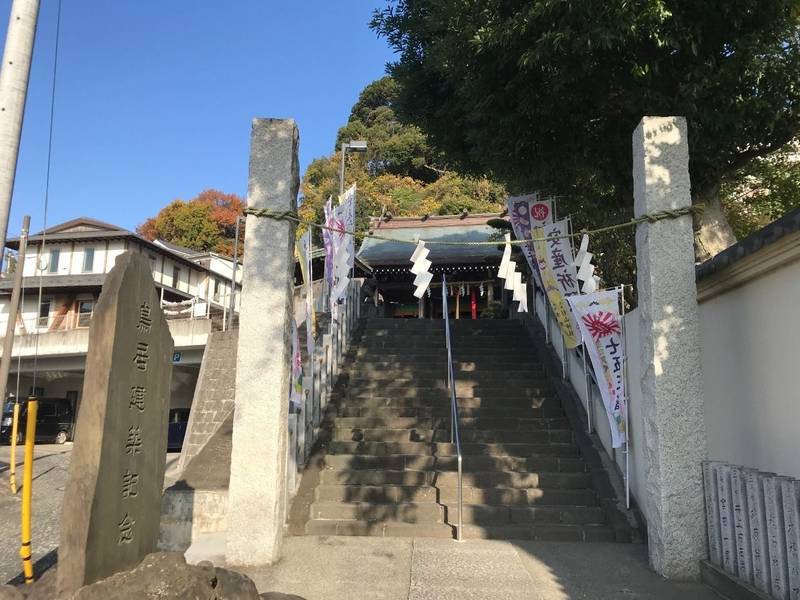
(187, 514)
(727, 585)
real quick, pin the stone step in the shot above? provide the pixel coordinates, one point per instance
(473, 514)
(488, 514)
(417, 462)
(541, 532)
(507, 356)
(447, 449)
(509, 496)
(462, 391)
(493, 436)
(376, 493)
(455, 324)
(443, 479)
(382, 529)
(409, 363)
(405, 512)
(415, 344)
(439, 378)
(442, 411)
(546, 404)
(467, 371)
(465, 423)
(497, 496)
(483, 386)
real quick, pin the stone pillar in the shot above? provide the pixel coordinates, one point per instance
(257, 495)
(672, 401)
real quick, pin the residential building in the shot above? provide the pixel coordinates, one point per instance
(63, 273)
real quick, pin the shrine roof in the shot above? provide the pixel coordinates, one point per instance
(447, 228)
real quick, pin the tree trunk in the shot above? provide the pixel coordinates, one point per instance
(712, 232)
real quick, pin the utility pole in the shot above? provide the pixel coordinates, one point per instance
(14, 74)
(13, 307)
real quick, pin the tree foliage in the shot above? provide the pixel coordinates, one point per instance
(207, 222)
(399, 174)
(546, 93)
(763, 191)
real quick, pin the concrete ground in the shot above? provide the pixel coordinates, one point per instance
(51, 464)
(334, 568)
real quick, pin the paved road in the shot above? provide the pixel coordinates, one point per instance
(339, 568)
(50, 478)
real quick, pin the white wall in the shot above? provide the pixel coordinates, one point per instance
(750, 339)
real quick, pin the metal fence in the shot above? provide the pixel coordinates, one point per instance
(753, 523)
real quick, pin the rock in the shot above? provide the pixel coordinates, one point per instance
(232, 585)
(43, 588)
(279, 596)
(166, 576)
(9, 592)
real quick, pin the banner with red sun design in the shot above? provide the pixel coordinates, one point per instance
(599, 321)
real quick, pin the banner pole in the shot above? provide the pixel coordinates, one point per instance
(625, 397)
(588, 391)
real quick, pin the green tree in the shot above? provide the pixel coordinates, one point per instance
(546, 93)
(399, 174)
(763, 191)
(207, 222)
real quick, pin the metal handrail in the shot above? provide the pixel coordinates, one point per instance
(455, 438)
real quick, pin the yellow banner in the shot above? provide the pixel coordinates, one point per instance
(557, 300)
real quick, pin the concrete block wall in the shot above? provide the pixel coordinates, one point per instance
(214, 394)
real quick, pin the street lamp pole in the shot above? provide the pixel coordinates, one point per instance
(353, 146)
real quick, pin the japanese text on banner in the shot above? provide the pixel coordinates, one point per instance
(599, 320)
(554, 257)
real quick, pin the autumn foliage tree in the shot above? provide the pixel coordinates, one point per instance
(206, 223)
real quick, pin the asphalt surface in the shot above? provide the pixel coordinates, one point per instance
(51, 465)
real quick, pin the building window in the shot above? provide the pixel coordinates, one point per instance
(55, 254)
(36, 392)
(88, 260)
(216, 289)
(44, 312)
(176, 276)
(85, 309)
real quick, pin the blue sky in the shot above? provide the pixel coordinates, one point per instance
(154, 98)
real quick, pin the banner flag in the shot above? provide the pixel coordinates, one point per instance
(348, 203)
(327, 239)
(344, 244)
(304, 250)
(296, 390)
(556, 266)
(600, 324)
(528, 212)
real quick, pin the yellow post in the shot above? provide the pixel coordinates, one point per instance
(12, 469)
(27, 482)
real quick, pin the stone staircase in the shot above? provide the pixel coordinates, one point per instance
(388, 467)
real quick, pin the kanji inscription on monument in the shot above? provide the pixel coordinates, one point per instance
(112, 502)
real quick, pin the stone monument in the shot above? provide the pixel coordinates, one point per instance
(112, 502)
(257, 494)
(672, 396)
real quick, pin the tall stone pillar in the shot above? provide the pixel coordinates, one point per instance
(257, 494)
(672, 404)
